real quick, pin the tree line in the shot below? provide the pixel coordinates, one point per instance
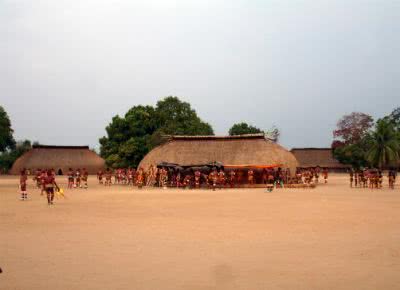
(131, 137)
(361, 142)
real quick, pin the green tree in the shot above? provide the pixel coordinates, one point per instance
(384, 146)
(243, 128)
(394, 118)
(6, 132)
(349, 145)
(8, 157)
(142, 128)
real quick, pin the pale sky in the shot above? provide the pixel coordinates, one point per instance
(67, 67)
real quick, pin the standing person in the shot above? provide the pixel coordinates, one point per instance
(250, 176)
(197, 177)
(85, 176)
(391, 177)
(108, 176)
(221, 178)
(178, 179)
(232, 175)
(70, 178)
(325, 174)
(78, 178)
(351, 177)
(100, 176)
(22, 184)
(213, 177)
(49, 184)
(380, 179)
(43, 176)
(140, 178)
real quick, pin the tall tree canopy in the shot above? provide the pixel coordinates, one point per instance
(244, 128)
(353, 127)
(142, 128)
(6, 132)
(394, 118)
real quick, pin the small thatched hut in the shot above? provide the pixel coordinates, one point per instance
(322, 157)
(239, 150)
(59, 157)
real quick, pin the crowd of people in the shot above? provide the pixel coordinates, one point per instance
(212, 178)
(195, 178)
(45, 181)
(371, 178)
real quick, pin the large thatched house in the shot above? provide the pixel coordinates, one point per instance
(59, 157)
(229, 150)
(322, 157)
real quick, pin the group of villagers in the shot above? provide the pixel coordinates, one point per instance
(45, 180)
(198, 177)
(371, 178)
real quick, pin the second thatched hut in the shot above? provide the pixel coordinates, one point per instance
(240, 150)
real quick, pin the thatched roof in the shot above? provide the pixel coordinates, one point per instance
(232, 150)
(312, 157)
(59, 157)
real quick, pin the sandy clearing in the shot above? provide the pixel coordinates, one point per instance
(331, 237)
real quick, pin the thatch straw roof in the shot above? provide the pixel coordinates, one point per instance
(312, 157)
(59, 157)
(232, 150)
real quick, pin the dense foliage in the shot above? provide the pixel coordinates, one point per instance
(8, 157)
(360, 145)
(244, 128)
(142, 128)
(6, 132)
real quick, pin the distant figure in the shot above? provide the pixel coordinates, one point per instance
(85, 175)
(213, 177)
(351, 178)
(22, 185)
(232, 175)
(60, 172)
(70, 178)
(250, 177)
(197, 177)
(221, 178)
(100, 176)
(108, 177)
(325, 175)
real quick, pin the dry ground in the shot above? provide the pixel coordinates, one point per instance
(332, 237)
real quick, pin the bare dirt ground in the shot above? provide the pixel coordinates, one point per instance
(331, 237)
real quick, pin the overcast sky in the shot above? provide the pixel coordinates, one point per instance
(67, 67)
